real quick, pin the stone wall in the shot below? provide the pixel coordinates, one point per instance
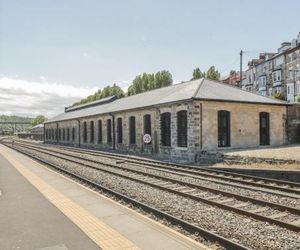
(293, 123)
(244, 124)
(202, 129)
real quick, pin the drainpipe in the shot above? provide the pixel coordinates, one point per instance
(201, 132)
(57, 132)
(113, 130)
(44, 135)
(79, 133)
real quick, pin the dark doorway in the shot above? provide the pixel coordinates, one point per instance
(223, 128)
(264, 128)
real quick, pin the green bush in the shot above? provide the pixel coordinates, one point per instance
(278, 96)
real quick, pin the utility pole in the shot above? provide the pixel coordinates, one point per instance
(241, 68)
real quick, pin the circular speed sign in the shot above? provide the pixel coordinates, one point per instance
(147, 138)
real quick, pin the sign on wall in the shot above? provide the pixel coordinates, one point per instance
(147, 138)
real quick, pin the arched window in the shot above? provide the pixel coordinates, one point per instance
(92, 132)
(264, 128)
(84, 132)
(132, 139)
(52, 132)
(68, 134)
(100, 131)
(223, 128)
(73, 134)
(108, 125)
(165, 126)
(147, 124)
(182, 128)
(64, 134)
(119, 130)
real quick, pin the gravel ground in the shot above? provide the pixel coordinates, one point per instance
(252, 233)
(292, 166)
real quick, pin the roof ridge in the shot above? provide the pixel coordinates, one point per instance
(198, 88)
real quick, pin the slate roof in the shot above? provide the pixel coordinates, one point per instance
(202, 89)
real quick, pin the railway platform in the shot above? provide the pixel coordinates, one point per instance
(41, 209)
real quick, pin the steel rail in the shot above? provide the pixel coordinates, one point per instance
(190, 196)
(191, 228)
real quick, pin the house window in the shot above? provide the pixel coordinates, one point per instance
(147, 124)
(119, 130)
(52, 132)
(182, 128)
(92, 131)
(68, 134)
(46, 133)
(100, 131)
(109, 137)
(223, 128)
(84, 132)
(165, 124)
(132, 130)
(73, 134)
(64, 134)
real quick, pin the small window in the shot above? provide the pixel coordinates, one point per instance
(100, 131)
(147, 124)
(119, 130)
(64, 134)
(223, 128)
(109, 137)
(68, 134)
(132, 139)
(182, 128)
(84, 132)
(165, 124)
(73, 134)
(92, 131)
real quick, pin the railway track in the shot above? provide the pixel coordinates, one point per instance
(187, 226)
(280, 215)
(218, 176)
(284, 216)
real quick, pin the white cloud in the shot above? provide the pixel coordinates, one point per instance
(21, 97)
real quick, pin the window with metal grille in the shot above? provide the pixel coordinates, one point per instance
(59, 133)
(119, 130)
(108, 125)
(132, 139)
(147, 124)
(92, 131)
(223, 128)
(100, 131)
(165, 126)
(182, 128)
(64, 134)
(68, 134)
(73, 134)
(46, 133)
(84, 132)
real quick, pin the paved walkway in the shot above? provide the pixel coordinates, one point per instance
(62, 214)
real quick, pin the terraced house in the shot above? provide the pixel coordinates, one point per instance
(182, 120)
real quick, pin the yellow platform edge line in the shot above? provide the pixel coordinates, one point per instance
(103, 235)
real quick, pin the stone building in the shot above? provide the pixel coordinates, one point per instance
(183, 120)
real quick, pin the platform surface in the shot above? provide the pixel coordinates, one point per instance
(41, 209)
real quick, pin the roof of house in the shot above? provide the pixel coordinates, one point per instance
(202, 89)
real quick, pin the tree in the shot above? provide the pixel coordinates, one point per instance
(38, 120)
(197, 74)
(278, 96)
(146, 82)
(212, 73)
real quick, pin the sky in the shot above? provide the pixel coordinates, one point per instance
(55, 52)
